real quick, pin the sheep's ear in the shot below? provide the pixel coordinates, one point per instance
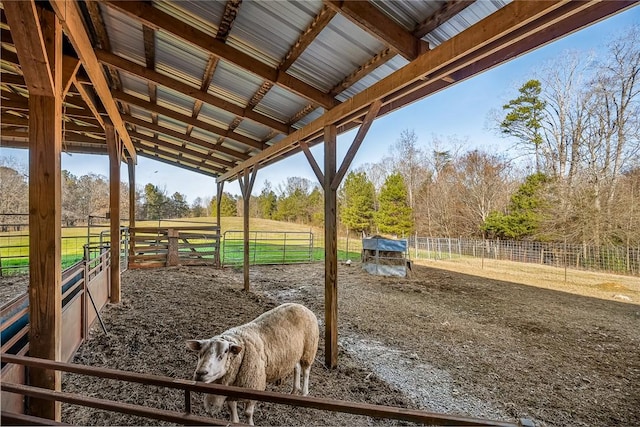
(235, 348)
(194, 345)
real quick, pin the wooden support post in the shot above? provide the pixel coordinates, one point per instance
(330, 250)
(113, 146)
(45, 274)
(132, 204)
(246, 185)
(172, 252)
(219, 189)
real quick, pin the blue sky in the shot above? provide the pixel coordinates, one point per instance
(460, 111)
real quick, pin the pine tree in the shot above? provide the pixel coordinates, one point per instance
(394, 214)
(357, 208)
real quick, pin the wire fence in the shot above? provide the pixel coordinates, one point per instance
(609, 259)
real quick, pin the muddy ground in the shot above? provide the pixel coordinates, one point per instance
(438, 340)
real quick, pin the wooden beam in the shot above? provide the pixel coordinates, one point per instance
(177, 85)
(509, 29)
(355, 145)
(375, 22)
(219, 190)
(10, 119)
(72, 22)
(183, 137)
(151, 16)
(442, 15)
(363, 70)
(31, 46)
(318, 24)
(90, 100)
(330, 251)
(246, 182)
(70, 67)
(114, 208)
(45, 198)
(228, 18)
(312, 161)
(189, 120)
(184, 150)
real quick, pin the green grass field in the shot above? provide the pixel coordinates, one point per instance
(265, 248)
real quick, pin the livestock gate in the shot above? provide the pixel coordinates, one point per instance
(174, 245)
(270, 247)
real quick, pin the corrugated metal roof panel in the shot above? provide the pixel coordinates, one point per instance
(280, 104)
(253, 130)
(134, 85)
(179, 60)
(172, 124)
(204, 135)
(409, 13)
(234, 84)
(309, 118)
(203, 15)
(174, 100)
(140, 113)
(469, 16)
(125, 35)
(267, 29)
(216, 116)
(373, 77)
(338, 50)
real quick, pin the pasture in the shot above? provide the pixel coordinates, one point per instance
(439, 340)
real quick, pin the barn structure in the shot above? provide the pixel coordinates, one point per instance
(226, 88)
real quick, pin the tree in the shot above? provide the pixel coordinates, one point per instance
(267, 201)
(357, 197)
(524, 118)
(394, 215)
(228, 205)
(198, 208)
(155, 202)
(524, 213)
(178, 206)
(14, 194)
(409, 161)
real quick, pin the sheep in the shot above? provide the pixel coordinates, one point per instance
(265, 350)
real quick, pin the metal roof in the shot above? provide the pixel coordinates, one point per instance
(219, 86)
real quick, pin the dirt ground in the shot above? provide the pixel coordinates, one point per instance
(438, 340)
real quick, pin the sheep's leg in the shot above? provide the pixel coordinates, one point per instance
(233, 407)
(248, 410)
(296, 379)
(213, 403)
(307, 371)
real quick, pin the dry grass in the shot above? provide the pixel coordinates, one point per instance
(587, 283)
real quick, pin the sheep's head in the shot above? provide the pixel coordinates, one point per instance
(214, 357)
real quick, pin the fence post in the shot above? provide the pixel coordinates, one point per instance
(284, 248)
(449, 242)
(172, 254)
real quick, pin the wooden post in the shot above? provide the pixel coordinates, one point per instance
(172, 253)
(132, 204)
(45, 296)
(219, 188)
(246, 185)
(330, 250)
(113, 147)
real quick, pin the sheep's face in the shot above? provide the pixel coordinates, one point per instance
(214, 356)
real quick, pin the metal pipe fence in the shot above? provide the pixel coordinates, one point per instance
(609, 259)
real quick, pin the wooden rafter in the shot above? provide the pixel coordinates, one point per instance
(228, 18)
(446, 12)
(363, 70)
(307, 37)
(181, 136)
(89, 98)
(183, 150)
(374, 21)
(175, 84)
(156, 18)
(190, 121)
(102, 38)
(26, 33)
(73, 25)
